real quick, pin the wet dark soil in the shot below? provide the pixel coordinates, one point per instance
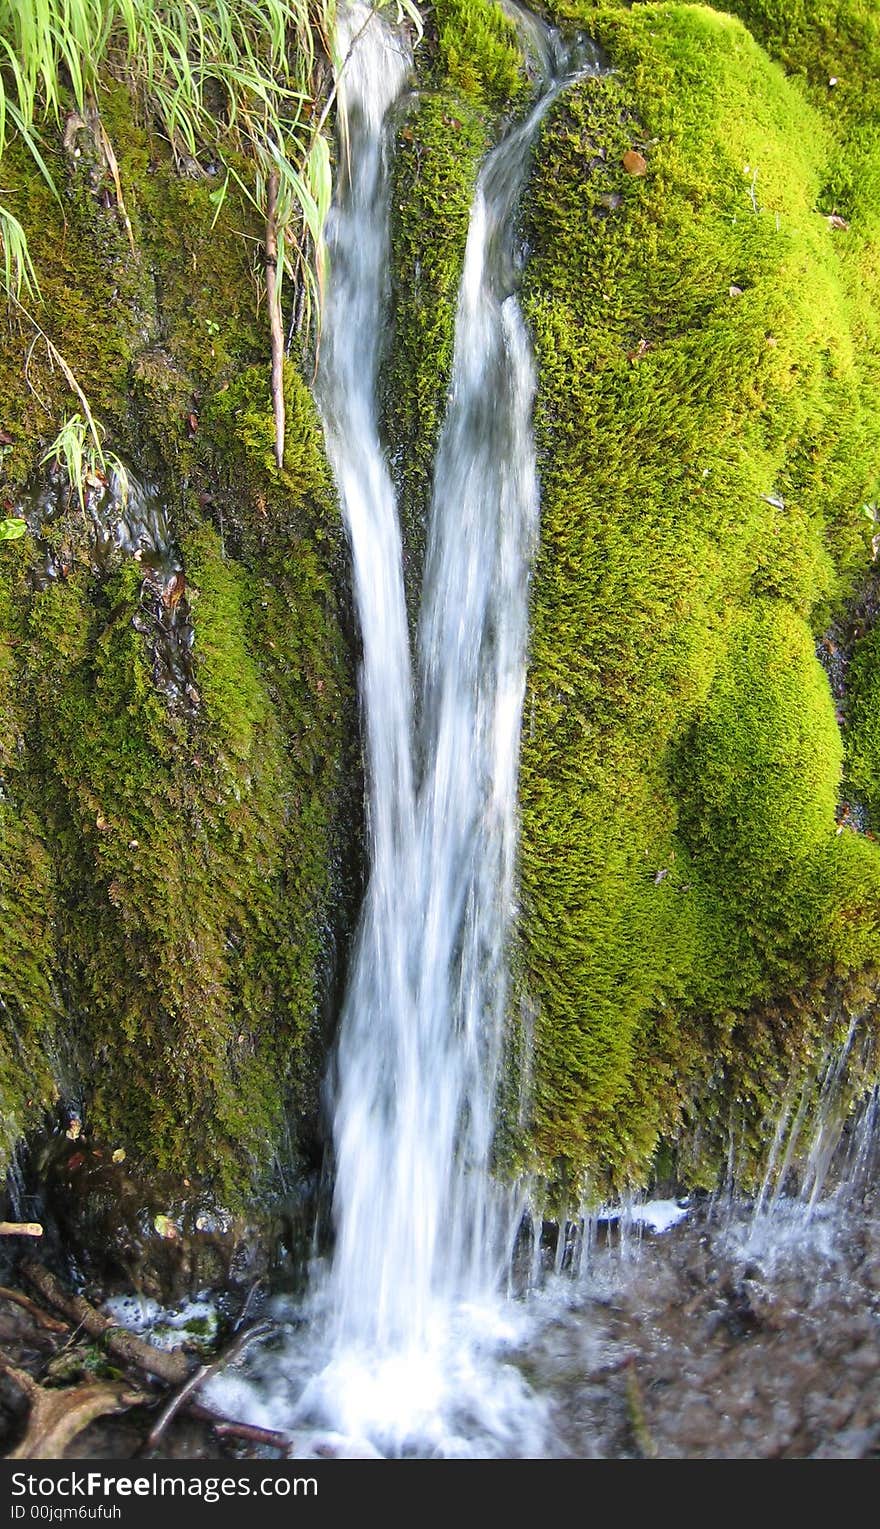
(713, 1341)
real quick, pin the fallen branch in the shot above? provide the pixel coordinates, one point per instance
(173, 1368)
(205, 1372)
(40, 1316)
(20, 1229)
(227, 1428)
(57, 1416)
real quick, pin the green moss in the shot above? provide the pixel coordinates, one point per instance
(863, 722)
(480, 52)
(759, 771)
(167, 861)
(438, 152)
(694, 919)
(29, 998)
(707, 439)
(471, 71)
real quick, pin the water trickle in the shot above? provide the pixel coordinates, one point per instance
(423, 1234)
(421, 1229)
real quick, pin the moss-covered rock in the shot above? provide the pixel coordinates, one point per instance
(708, 442)
(698, 920)
(171, 834)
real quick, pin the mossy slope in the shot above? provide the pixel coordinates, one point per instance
(707, 341)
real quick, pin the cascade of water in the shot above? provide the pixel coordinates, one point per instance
(374, 1099)
(419, 1226)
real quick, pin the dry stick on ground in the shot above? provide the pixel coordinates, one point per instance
(205, 1372)
(20, 1229)
(275, 326)
(40, 1316)
(174, 1368)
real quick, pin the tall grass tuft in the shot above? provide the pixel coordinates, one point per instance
(236, 79)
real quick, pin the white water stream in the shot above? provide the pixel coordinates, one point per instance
(404, 1344)
(422, 1232)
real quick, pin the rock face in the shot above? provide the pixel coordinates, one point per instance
(180, 773)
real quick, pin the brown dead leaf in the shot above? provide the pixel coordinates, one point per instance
(635, 163)
(174, 590)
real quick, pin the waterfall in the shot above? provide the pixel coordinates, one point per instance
(404, 1343)
(405, 1331)
(420, 1226)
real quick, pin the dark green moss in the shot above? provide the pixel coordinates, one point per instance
(168, 860)
(863, 722)
(29, 999)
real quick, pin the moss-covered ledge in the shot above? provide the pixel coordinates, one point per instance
(170, 874)
(471, 76)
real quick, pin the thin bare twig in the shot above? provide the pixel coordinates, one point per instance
(205, 1372)
(250, 1432)
(56, 355)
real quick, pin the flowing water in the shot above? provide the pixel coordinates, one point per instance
(405, 1344)
(421, 1231)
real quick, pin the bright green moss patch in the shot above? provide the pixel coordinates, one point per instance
(770, 705)
(480, 52)
(708, 437)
